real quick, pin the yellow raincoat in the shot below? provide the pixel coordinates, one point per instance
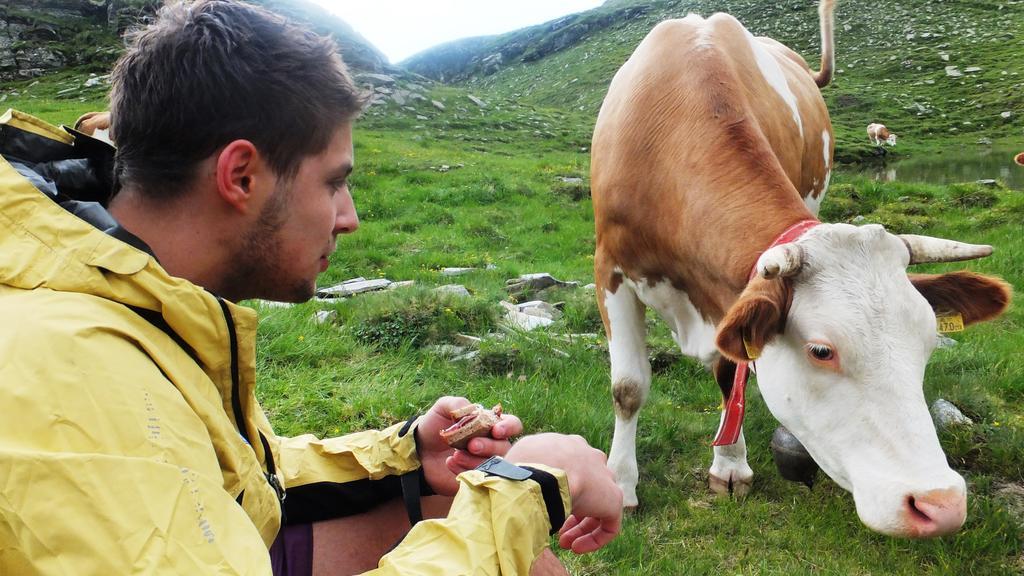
(130, 437)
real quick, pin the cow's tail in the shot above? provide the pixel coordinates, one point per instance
(828, 54)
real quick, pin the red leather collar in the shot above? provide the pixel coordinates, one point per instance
(735, 405)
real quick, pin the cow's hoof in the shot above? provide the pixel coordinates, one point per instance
(736, 487)
(629, 499)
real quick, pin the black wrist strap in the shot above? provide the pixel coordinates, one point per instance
(552, 497)
(497, 466)
(411, 484)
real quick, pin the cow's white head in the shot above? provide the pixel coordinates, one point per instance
(846, 335)
(891, 140)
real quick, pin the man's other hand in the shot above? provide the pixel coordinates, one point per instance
(596, 500)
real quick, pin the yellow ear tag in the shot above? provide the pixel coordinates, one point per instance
(950, 323)
(753, 352)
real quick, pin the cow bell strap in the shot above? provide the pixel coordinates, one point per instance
(735, 405)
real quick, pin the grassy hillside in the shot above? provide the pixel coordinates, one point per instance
(891, 60)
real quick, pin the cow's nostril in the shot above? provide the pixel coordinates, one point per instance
(935, 513)
(916, 512)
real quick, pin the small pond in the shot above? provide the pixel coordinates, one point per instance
(953, 165)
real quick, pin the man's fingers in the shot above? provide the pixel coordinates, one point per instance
(587, 535)
(508, 426)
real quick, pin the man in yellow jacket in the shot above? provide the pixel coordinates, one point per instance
(131, 440)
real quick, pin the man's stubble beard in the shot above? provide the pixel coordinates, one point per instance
(256, 269)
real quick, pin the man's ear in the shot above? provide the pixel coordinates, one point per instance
(238, 169)
(754, 319)
(975, 296)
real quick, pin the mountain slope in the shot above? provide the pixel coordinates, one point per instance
(929, 70)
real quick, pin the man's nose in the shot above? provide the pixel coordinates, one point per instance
(347, 220)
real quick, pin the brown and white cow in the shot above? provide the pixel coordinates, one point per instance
(878, 133)
(709, 144)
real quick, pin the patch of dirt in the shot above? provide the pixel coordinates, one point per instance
(1012, 496)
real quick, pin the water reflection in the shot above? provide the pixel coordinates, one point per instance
(956, 165)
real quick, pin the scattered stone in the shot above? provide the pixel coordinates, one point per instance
(456, 289)
(972, 69)
(590, 287)
(987, 182)
(376, 78)
(534, 283)
(477, 101)
(985, 141)
(571, 179)
(322, 316)
(437, 104)
(353, 286)
(944, 57)
(275, 304)
(858, 219)
(945, 414)
(527, 317)
(1006, 115)
(401, 284)
(455, 271)
(952, 71)
(469, 341)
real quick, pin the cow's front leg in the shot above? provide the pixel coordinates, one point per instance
(729, 471)
(631, 382)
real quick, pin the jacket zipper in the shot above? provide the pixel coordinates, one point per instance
(236, 406)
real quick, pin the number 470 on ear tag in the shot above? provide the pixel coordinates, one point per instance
(950, 323)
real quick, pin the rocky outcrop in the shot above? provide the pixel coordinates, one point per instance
(485, 55)
(41, 36)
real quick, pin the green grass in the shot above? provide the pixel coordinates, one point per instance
(501, 203)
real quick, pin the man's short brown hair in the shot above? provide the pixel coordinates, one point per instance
(208, 72)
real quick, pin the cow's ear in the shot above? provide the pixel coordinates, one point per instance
(975, 296)
(754, 319)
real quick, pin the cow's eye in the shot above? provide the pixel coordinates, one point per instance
(820, 352)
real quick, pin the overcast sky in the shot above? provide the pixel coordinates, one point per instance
(401, 28)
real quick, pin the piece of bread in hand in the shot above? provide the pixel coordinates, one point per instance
(471, 421)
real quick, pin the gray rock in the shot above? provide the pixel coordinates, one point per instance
(455, 271)
(324, 316)
(952, 71)
(945, 414)
(353, 286)
(1006, 115)
(477, 101)
(456, 289)
(376, 78)
(535, 283)
(437, 104)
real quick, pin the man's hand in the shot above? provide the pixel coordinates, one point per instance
(596, 500)
(441, 463)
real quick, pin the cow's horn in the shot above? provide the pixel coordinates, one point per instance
(782, 260)
(928, 249)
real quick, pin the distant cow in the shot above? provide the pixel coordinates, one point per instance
(878, 133)
(711, 147)
(95, 124)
